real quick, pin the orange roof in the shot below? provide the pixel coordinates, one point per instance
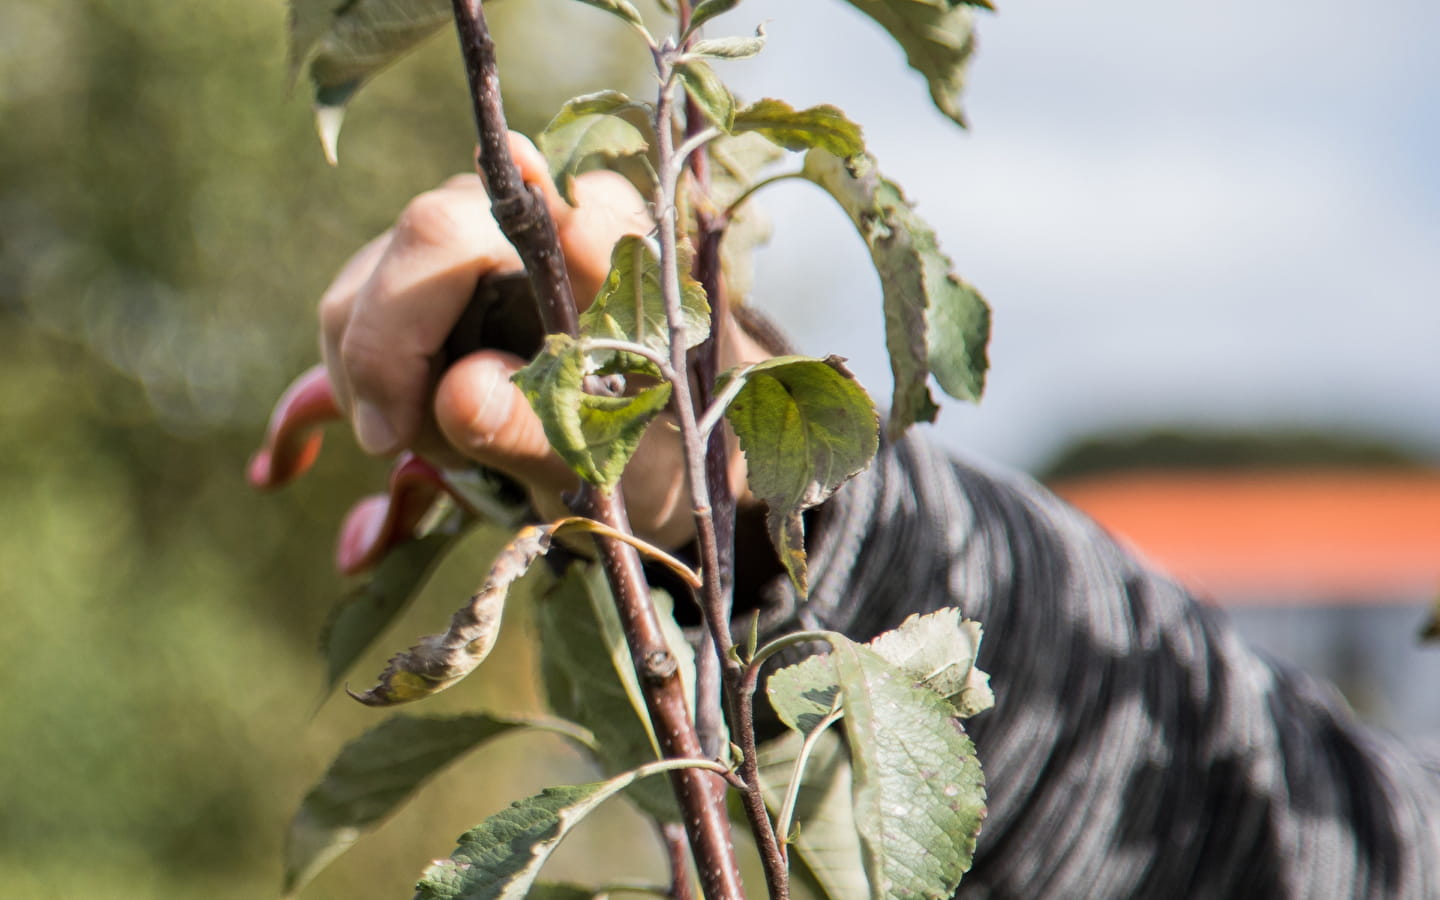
(1350, 535)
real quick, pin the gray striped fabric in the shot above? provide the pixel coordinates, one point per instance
(1137, 748)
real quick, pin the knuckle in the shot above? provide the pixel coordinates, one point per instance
(362, 358)
(430, 219)
(334, 313)
(462, 182)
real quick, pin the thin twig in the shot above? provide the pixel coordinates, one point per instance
(523, 217)
(715, 601)
(710, 716)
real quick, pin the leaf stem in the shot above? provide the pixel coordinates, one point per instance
(522, 215)
(790, 640)
(684, 572)
(638, 349)
(797, 773)
(692, 143)
(750, 191)
(718, 404)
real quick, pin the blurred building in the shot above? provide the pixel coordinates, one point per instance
(1331, 568)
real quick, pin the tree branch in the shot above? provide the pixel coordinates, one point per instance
(523, 217)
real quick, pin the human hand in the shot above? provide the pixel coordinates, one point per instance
(388, 312)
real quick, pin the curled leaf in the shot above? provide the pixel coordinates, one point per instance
(706, 10)
(824, 127)
(368, 608)
(440, 660)
(343, 44)
(595, 435)
(938, 651)
(623, 10)
(293, 438)
(710, 94)
(729, 47)
(938, 37)
(934, 321)
(588, 126)
(631, 304)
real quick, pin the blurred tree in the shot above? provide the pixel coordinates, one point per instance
(1200, 448)
(166, 223)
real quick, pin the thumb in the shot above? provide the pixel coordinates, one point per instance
(486, 417)
(606, 207)
(535, 171)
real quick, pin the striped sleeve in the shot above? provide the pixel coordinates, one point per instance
(1137, 747)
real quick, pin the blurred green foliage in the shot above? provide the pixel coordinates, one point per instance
(166, 224)
(1199, 448)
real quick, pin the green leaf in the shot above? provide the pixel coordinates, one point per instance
(596, 436)
(806, 427)
(600, 103)
(957, 330)
(729, 47)
(829, 841)
(374, 775)
(935, 651)
(919, 792)
(708, 91)
(804, 694)
(589, 678)
(938, 37)
(344, 44)
(631, 304)
(440, 660)
(623, 10)
(588, 126)
(366, 611)
(934, 321)
(500, 858)
(706, 10)
(938, 651)
(823, 127)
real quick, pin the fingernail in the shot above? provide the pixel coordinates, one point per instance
(292, 439)
(372, 429)
(492, 412)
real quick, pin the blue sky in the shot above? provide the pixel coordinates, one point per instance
(1222, 214)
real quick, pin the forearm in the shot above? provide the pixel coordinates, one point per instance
(1137, 748)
